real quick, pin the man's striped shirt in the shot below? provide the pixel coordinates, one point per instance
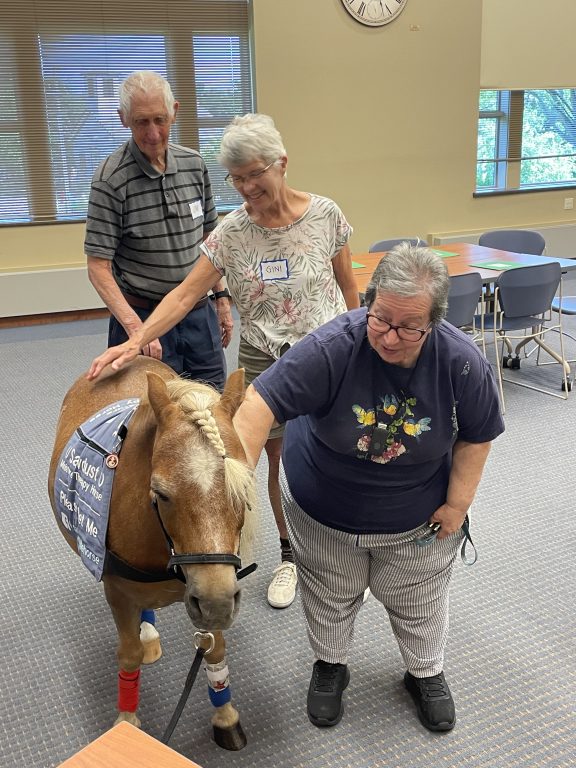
(150, 224)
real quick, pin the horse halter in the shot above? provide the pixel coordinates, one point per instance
(201, 558)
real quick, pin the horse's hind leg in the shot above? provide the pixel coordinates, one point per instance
(228, 732)
(130, 652)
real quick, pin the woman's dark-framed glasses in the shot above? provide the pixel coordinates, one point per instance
(378, 325)
(236, 181)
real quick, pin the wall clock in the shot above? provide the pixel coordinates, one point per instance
(374, 13)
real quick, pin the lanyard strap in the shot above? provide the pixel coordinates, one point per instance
(474, 556)
(430, 536)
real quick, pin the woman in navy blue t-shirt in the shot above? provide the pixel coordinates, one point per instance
(390, 414)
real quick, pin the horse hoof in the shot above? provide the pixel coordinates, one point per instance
(232, 739)
(128, 717)
(150, 640)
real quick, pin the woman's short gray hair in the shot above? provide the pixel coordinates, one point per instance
(248, 138)
(410, 270)
(144, 81)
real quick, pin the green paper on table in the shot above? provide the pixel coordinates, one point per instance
(500, 266)
(444, 254)
(356, 265)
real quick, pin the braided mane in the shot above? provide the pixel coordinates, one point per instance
(196, 401)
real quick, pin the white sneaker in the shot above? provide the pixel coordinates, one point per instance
(282, 589)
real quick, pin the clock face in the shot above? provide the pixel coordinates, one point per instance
(374, 13)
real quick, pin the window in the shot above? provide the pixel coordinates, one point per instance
(60, 67)
(526, 140)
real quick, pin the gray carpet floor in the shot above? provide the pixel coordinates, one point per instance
(510, 659)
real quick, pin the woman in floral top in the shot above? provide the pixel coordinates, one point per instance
(287, 262)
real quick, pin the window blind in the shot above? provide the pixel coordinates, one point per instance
(61, 63)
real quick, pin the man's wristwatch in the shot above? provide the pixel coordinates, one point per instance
(221, 294)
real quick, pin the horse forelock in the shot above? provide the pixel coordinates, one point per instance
(196, 402)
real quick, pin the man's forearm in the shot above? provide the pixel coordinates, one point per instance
(101, 277)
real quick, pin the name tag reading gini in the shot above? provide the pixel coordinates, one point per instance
(274, 270)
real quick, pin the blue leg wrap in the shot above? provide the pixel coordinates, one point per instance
(148, 616)
(219, 698)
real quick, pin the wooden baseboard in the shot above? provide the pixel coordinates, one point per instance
(53, 317)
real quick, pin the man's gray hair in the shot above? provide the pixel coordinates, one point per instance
(144, 81)
(249, 138)
(410, 270)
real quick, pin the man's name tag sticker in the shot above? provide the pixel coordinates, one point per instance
(196, 209)
(274, 270)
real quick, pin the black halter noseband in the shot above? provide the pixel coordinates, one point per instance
(201, 558)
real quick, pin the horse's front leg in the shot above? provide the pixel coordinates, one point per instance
(228, 732)
(130, 652)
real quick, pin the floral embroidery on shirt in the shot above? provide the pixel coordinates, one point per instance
(395, 419)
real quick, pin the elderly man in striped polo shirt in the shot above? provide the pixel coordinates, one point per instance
(150, 208)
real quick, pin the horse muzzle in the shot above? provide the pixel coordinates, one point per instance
(212, 596)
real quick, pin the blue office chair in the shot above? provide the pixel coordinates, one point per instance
(524, 297)
(515, 240)
(567, 306)
(463, 299)
(386, 245)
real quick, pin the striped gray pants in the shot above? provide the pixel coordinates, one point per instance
(335, 567)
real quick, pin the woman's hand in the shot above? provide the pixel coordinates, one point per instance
(115, 357)
(225, 320)
(450, 519)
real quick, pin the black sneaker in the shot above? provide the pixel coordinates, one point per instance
(433, 701)
(325, 693)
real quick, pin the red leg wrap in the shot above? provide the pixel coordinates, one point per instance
(128, 690)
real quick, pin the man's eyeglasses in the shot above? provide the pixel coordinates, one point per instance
(236, 181)
(406, 334)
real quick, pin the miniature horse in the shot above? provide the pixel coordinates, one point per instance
(180, 478)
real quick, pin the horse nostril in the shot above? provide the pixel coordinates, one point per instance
(193, 609)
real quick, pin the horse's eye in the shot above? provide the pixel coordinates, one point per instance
(160, 495)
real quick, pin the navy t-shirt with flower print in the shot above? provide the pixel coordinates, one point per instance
(334, 391)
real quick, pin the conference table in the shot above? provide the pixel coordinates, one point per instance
(125, 746)
(461, 258)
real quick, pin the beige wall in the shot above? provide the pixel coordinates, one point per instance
(528, 44)
(381, 120)
(41, 247)
(384, 120)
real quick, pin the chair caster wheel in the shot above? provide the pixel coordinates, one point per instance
(507, 361)
(514, 363)
(568, 387)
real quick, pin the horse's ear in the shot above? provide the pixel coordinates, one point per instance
(233, 392)
(157, 394)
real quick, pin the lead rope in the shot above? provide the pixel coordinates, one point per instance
(190, 679)
(193, 673)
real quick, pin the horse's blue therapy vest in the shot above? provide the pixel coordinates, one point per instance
(84, 477)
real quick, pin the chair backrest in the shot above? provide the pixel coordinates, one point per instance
(387, 245)
(525, 291)
(515, 240)
(465, 293)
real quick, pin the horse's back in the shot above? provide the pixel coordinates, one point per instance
(85, 398)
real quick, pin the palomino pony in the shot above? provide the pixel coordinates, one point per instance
(181, 485)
